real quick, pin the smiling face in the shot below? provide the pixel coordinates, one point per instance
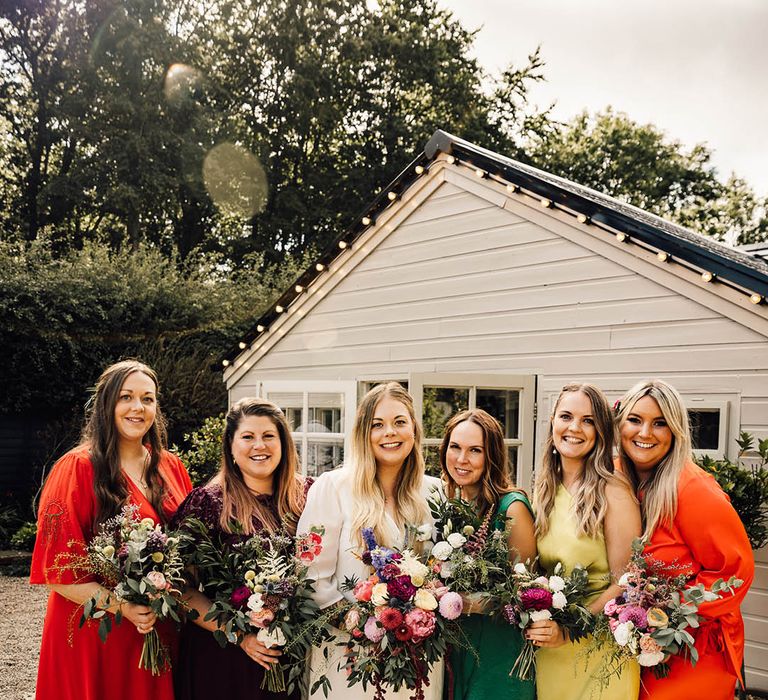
(573, 426)
(465, 456)
(136, 407)
(392, 433)
(645, 436)
(257, 450)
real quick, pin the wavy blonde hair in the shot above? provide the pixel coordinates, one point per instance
(659, 504)
(589, 503)
(367, 494)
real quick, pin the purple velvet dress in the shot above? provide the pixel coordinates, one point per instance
(204, 669)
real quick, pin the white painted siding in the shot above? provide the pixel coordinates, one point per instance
(464, 285)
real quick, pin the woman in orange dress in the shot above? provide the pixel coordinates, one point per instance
(121, 460)
(690, 527)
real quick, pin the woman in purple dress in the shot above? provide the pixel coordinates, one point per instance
(257, 488)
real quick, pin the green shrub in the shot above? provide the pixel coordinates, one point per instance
(9, 523)
(746, 485)
(24, 538)
(203, 456)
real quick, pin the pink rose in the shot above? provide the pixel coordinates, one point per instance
(261, 618)
(421, 623)
(158, 581)
(363, 590)
(610, 607)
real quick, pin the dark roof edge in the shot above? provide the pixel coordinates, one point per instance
(742, 269)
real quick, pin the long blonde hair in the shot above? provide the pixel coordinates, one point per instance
(659, 504)
(589, 503)
(239, 505)
(367, 494)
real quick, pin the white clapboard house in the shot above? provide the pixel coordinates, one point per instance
(479, 281)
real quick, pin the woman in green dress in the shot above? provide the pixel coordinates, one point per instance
(587, 515)
(476, 466)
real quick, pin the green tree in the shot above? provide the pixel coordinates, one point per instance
(639, 164)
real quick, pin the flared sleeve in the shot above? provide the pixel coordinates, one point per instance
(65, 520)
(324, 512)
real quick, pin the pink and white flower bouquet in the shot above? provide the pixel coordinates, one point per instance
(649, 621)
(142, 564)
(558, 597)
(400, 623)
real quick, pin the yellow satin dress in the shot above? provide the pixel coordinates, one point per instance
(566, 673)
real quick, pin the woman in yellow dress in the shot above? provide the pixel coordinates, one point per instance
(585, 515)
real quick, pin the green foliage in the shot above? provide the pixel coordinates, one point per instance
(24, 537)
(639, 164)
(203, 456)
(9, 523)
(746, 485)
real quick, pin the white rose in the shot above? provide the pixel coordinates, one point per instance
(379, 595)
(424, 532)
(456, 540)
(651, 658)
(520, 568)
(276, 638)
(442, 550)
(622, 633)
(624, 580)
(255, 602)
(537, 615)
(559, 601)
(556, 583)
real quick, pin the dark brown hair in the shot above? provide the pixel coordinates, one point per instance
(497, 478)
(101, 437)
(240, 505)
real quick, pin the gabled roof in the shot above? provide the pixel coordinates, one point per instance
(745, 270)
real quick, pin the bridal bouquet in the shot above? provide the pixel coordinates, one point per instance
(558, 597)
(400, 622)
(261, 586)
(649, 621)
(468, 553)
(143, 565)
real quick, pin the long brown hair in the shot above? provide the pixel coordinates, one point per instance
(497, 478)
(589, 502)
(240, 505)
(101, 438)
(367, 495)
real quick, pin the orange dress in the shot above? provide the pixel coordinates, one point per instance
(74, 663)
(707, 540)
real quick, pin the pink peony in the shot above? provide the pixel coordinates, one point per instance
(373, 630)
(451, 605)
(158, 581)
(401, 587)
(363, 589)
(421, 623)
(634, 614)
(391, 618)
(536, 599)
(239, 597)
(261, 618)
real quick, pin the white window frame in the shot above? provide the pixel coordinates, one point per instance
(700, 402)
(348, 390)
(525, 384)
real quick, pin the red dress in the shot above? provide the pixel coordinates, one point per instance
(74, 663)
(707, 540)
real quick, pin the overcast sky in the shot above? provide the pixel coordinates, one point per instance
(696, 69)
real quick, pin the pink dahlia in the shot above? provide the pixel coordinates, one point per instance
(451, 605)
(634, 614)
(373, 630)
(421, 623)
(536, 599)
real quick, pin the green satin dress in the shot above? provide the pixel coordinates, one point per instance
(565, 673)
(497, 645)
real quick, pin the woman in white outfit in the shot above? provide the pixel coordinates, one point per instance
(382, 485)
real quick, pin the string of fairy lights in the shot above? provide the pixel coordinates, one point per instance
(422, 166)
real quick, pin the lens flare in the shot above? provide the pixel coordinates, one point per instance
(235, 180)
(181, 83)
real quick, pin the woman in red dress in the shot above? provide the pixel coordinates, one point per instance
(690, 527)
(120, 460)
